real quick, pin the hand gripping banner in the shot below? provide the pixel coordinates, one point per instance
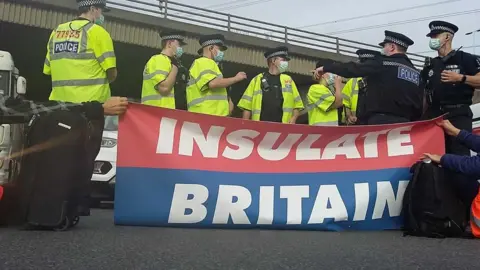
(183, 169)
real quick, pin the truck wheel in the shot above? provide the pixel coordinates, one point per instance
(66, 224)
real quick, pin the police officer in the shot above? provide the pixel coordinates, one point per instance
(451, 79)
(324, 98)
(82, 63)
(394, 93)
(352, 99)
(206, 90)
(161, 71)
(272, 96)
(80, 56)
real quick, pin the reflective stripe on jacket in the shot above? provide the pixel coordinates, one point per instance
(156, 71)
(202, 99)
(252, 98)
(78, 55)
(350, 97)
(320, 101)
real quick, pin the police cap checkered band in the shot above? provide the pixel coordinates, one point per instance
(169, 37)
(442, 28)
(366, 55)
(396, 41)
(277, 54)
(212, 42)
(87, 3)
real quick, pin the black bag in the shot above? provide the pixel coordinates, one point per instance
(52, 176)
(431, 207)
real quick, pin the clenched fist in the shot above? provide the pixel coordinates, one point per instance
(115, 106)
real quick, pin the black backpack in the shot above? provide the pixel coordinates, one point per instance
(431, 207)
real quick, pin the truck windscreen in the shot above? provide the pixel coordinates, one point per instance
(5, 77)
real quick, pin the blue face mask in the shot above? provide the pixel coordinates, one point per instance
(219, 57)
(435, 44)
(283, 66)
(100, 20)
(179, 52)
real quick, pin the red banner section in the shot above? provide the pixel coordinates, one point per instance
(171, 139)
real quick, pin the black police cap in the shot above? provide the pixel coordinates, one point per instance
(397, 38)
(96, 3)
(364, 54)
(438, 27)
(215, 39)
(173, 35)
(281, 51)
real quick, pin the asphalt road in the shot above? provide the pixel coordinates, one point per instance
(97, 244)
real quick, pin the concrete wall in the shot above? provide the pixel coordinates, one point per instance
(28, 47)
(143, 30)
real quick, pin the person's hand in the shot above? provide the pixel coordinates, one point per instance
(115, 106)
(449, 128)
(432, 157)
(351, 119)
(292, 120)
(451, 77)
(317, 73)
(241, 76)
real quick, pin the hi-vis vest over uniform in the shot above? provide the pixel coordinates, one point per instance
(202, 99)
(156, 71)
(252, 98)
(320, 100)
(350, 96)
(78, 55)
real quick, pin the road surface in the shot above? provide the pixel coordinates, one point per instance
(97, 244)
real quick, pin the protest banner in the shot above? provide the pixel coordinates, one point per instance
(177, 168)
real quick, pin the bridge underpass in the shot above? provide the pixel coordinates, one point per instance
(28, 46)
(26, 26)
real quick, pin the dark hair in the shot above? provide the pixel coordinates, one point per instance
(271, 60)
(83, 10)
(164, 43)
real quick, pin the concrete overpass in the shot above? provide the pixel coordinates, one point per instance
(134, 26)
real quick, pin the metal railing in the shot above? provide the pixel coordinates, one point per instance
(250, 27)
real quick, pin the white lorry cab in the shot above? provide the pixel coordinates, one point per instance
(476, 118)
(105, 168)
(12, 85)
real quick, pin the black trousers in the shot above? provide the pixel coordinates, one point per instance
(92, 150)
(465, 186)
(382, 119)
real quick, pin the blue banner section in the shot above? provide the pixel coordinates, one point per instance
(360, 200)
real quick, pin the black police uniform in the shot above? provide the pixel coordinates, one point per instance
(394, 93)
(272, 97)
(364, 55)
(452, 98)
